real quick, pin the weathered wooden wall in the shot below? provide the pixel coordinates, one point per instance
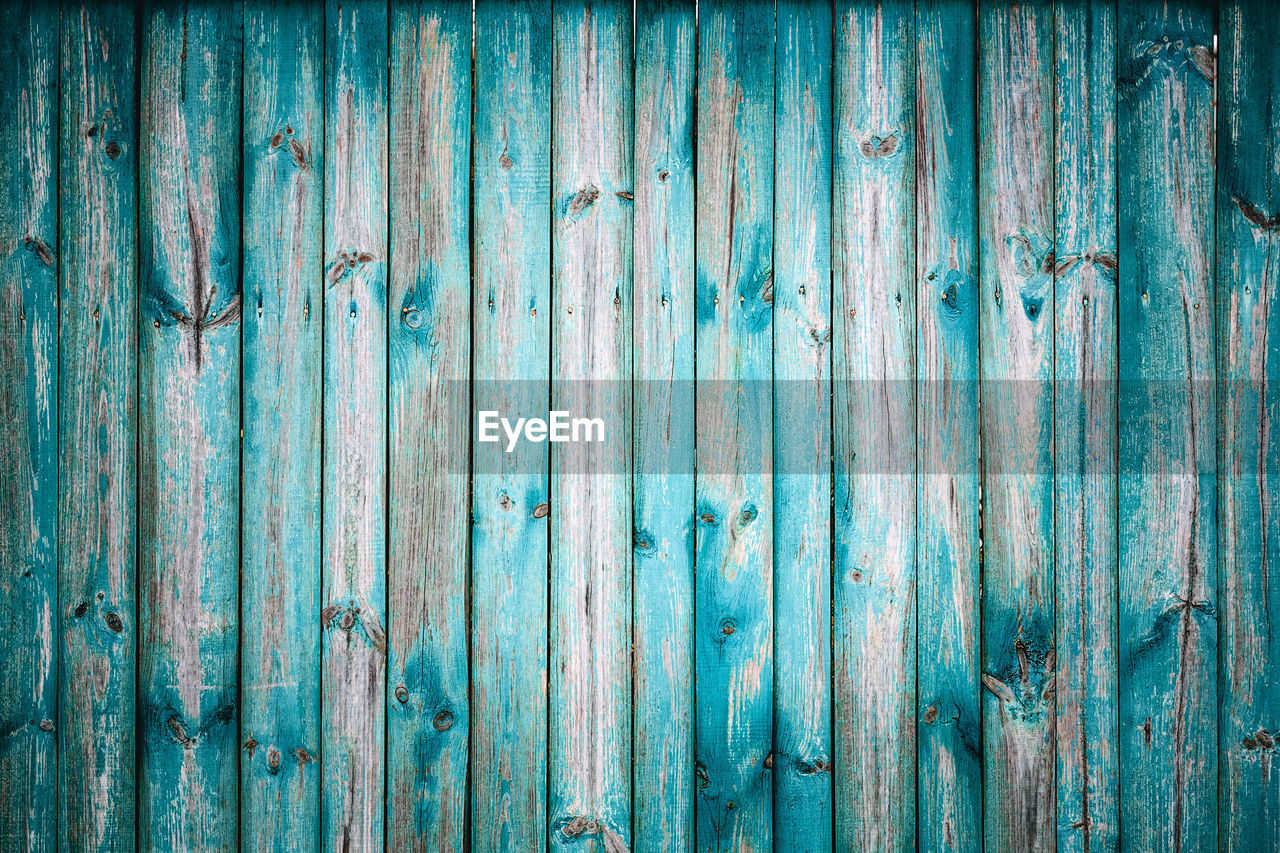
(935, 341)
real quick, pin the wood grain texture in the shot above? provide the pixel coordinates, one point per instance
(1248, 196)
(29, 411)
(266, 588)
(511, 295)
(429, 340)
(98, 410)
(589, 741)
(189, 427)
(1016, 234)
(802, 757)
(283, 140)
(354, 639)
(663, 424)
(875, 443)
(1167, 503)
(948, 728)
(1086, 607)
(733, 629)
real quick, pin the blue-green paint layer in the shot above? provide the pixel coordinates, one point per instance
(663, 421)
(29, 430)
(948, 725)
(1016, 334)
(429, 355)
(511, 296)
(802, 427)
(873, 401)
(589, 745)
(189, 427)
(1248, 196)
(283, 139)
(354, 471)
(1167, 501)
(733, 629)
(98, 376)
(1086, 604)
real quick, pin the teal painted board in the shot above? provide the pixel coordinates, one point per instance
(662, 426)
(733, 629)
(189, 427)
(511, 335)
(354, 474)
(1016, 245)
(282, 334)
(802, 757)
(1086, 607)
(873, 399)
(948, 545)
(429, 355)
(98, 411)
(1166, 500)
(1248, 196)
(29, 430)
(589, 739)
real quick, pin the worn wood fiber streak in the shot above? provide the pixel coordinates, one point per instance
(511, 298)
(29, 411)
(429, 339)
(802, 427)
(589, 746)
(1016, 234)
(98, 411)
(733, 630)
(354, 639)
(1167, 503)
(1084, 423)
(662, 423)
(1248, 196)
(189, 422)
(874, 404)
(283, 140)
(948, 727)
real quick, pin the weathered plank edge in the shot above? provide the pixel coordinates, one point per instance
(98, 412)
(283, 141)
(663, 503)
(29, 398)
(429, 337)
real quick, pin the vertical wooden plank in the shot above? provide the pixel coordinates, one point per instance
(98, 375)
(589, 742)
(1167, 489)
(512, 349)
(948, 729)
(1015, 227)
(189, 423)
(1248, 200)
(802, 764)
(734, 595)
(282, 334)
(1086, 606)
(663, 320)
(354, 644)
(875, 435)
(429, 341)
(29, 429)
